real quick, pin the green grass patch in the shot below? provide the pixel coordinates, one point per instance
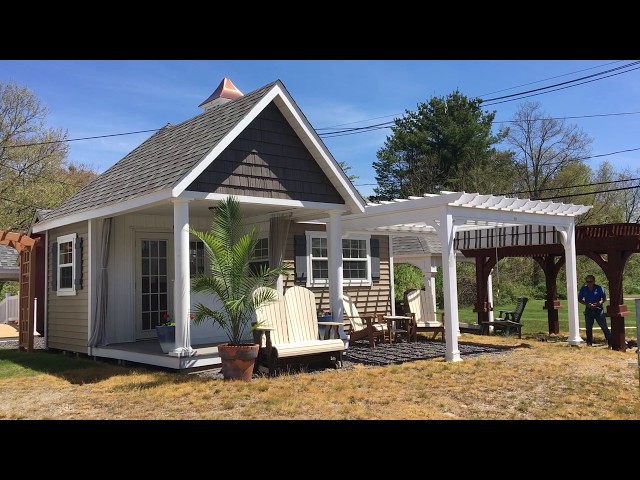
(16, 363)
(534, 317)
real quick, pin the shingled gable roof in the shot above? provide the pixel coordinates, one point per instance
(162, 166)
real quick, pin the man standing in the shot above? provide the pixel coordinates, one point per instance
(593, 297)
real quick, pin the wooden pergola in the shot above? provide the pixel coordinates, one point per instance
(608, 245)
(26, 248)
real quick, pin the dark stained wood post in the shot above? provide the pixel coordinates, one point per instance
(484, 265)
(551, 269)
(616, 310)
(616, 241)
(621, 242)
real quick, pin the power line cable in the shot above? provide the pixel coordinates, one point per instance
(78, 139)
(574, 186)
(562, 88)
(550, 78)
(475, 96)
(326, 134)
(590, 193)
(563, 83)
(521, 93)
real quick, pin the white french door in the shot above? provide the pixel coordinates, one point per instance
(154, 281)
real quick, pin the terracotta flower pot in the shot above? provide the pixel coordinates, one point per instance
(238, 360)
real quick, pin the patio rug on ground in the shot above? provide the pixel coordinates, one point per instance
(422, 349)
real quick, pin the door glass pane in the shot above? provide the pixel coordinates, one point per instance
(154, 294)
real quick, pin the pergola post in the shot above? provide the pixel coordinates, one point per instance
(446, 233)
(568, 237)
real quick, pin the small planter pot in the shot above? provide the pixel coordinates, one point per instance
(167, 338)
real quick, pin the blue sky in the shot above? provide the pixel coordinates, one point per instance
(103, 97)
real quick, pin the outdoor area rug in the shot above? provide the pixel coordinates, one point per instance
(422, 349)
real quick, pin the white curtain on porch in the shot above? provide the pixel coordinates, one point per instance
(278, 235)
(98, 336)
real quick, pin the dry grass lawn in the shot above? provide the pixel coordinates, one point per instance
(535, 380)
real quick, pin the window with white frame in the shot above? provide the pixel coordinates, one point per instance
(196, 257)
(66, 263)
(260, 255)
(356, 260)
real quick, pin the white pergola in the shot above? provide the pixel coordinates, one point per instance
(451, 212)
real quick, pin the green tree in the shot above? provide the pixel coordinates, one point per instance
(543, 147)
(345, 168)
(34, 170)
(12, 288)
(608, 204)
(436, 147)
(630, 197)
(406, 277)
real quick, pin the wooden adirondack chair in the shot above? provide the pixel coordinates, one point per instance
(509, 320)
(416, 302)
(287, 332)
(368, 326)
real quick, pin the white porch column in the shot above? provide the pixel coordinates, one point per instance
(392, 281)
(182, 281)
(446, 234)
(568, 235)
(334, 245)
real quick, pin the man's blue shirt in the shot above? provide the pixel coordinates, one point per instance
(592, 296)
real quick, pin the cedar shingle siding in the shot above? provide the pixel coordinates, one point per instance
(268, 160)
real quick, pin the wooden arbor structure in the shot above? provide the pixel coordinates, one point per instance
(616, 242)
(26, 248)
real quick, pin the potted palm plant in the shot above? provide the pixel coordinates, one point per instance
(230, 246)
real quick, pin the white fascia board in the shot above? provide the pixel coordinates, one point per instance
(275, 92)
(277, 202)
(119, 208)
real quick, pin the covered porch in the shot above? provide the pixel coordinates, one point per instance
(148, 352)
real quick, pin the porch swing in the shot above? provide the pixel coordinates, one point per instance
(507, 320)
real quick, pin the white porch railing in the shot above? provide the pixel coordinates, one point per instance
(9, 309)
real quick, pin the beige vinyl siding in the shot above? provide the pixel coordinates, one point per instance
(67, 316)
(370, 299)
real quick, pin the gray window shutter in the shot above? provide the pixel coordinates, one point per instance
(300, 252)
(78, 264)
(375, 259)
(54, 266)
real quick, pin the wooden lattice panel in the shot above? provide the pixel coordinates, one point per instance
(27, 293)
